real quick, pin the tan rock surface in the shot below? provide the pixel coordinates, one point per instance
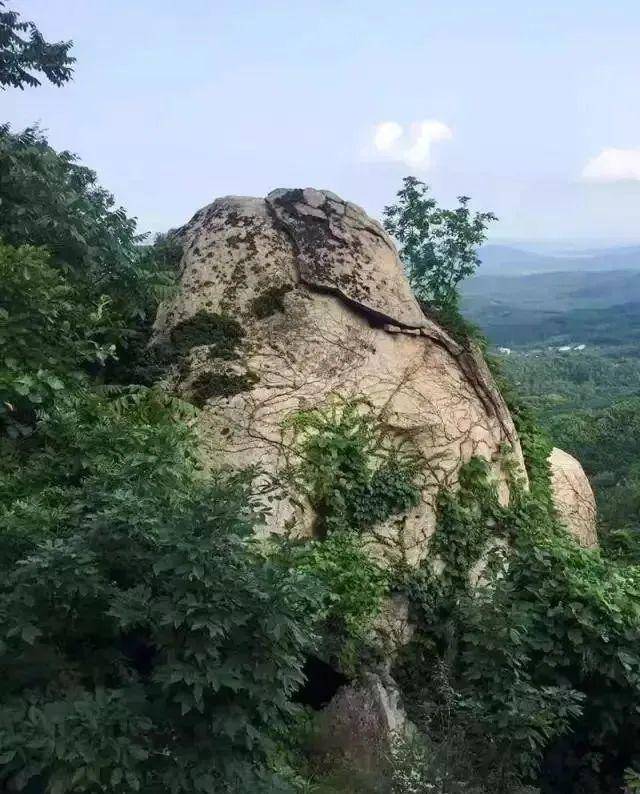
(343, 322)
(573, 497)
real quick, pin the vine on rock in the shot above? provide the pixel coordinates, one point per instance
(540, 653)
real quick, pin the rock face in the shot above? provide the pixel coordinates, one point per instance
(324, 309)
(361, 722)
(573, 497)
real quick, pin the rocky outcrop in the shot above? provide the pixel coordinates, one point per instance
(573, 497)
(360, 724)
(321, 308)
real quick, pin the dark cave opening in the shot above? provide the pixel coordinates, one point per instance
(322, 681)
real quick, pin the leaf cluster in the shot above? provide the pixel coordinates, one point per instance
(146, 644)
(438, 246)
(48, 199)
(542, 652)
(21, 55)
(353, 472)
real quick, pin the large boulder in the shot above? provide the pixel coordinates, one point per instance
(573, 497)
(321, 307)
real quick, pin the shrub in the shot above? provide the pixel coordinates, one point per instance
(352, 470)
(351, 587)
(544, 654)
(49, 335)
(49, 199)
(146, 644)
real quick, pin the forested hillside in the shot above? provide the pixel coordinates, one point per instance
(589, 403)
(561, 308)
(586, 394)
(154, 638)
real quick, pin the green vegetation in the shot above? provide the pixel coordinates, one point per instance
(586, 399)
(350, 467)
(146, 642)
(438, 246)
(137, 619)
(222, 334)
(566, 308)
(22, 55)
(534, 687)
(270, 301)
(588, 402)
(151, 643)
(51, 201)
(351, 590)
(219, 384)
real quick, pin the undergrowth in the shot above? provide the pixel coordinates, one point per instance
(537, 652)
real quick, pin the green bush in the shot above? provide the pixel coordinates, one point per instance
(145, 644)
(351, 587)
(543, 654)
(350, 467)
(50, 334)
(48, 199)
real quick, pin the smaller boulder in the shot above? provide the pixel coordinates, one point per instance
(359, 725)
(573, 497)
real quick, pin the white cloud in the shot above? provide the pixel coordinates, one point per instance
(613, 165)
(411, 146)
(386, 135)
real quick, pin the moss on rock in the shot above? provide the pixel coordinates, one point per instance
(220, 332)
(270, 301)
(220, 384)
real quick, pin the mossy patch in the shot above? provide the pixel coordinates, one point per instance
(270, 301)
(220, 332)
(219, 384)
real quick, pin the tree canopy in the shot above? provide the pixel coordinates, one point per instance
(24, 54)
(438, 246)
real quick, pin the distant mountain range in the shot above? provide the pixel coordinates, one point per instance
(504, 260)
(522, 298)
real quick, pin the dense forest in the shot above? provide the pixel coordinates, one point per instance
(589, 403)
(150, 642)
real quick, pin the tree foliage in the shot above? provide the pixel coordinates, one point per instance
(48, 199)
(23, 51)
(146, 644)
(540, 651)
(438, 246)
(150, 643)
(587, 401)
(50, 334)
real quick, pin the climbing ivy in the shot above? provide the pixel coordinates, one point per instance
(351, 587)
(356, 476)
(349, 466)
(542, 651)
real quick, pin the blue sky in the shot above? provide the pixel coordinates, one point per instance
(530, 108)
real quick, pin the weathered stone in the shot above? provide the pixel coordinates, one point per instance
(392, 627)
(573, 497)
(360, 723)
(330, 336)
(347, 253)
